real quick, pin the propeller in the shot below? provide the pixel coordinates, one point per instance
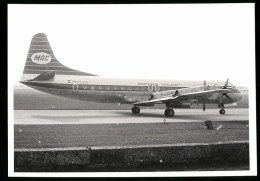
(204, 104)
(226, 84)
(225, 94)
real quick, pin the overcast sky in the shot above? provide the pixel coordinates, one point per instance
(186, 42)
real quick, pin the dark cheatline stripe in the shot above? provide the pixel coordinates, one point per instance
(94, 87)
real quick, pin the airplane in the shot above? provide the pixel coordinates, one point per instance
(45, 73)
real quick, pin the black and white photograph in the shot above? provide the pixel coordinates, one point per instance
(131, 90)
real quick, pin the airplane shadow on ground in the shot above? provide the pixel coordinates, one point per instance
(61, 118)
(157, 115)
(123, 114)
(75, 118)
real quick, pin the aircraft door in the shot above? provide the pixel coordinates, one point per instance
(75, 89)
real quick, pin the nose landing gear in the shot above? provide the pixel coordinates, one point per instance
(169, 112)
(222, 110)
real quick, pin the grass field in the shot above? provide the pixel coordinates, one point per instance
(48, 136)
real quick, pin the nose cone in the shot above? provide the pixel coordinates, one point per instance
(236, 94)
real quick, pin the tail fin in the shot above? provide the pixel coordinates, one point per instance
(40, 59)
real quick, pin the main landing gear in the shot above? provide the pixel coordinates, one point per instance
(135, 110)
(169, 112)
(222, 110)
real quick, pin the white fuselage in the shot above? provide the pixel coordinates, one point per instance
(113, 90)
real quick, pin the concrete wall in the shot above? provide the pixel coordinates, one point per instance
(214, 156)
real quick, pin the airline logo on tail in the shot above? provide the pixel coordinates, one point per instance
(41, 58)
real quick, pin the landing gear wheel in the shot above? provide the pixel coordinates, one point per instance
(222, 111)
(135, 110)
(169, 112)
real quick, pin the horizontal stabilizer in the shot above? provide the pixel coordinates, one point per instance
(48, 75)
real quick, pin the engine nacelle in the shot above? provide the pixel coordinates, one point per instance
(163, 93)
(174, 105)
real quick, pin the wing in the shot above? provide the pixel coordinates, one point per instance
(181, 97)
(160, 100)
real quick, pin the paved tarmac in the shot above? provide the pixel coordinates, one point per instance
(37, 117)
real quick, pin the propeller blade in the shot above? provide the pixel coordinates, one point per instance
(221, 98)
(229, 98)
(225, 94)
(226, 83)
